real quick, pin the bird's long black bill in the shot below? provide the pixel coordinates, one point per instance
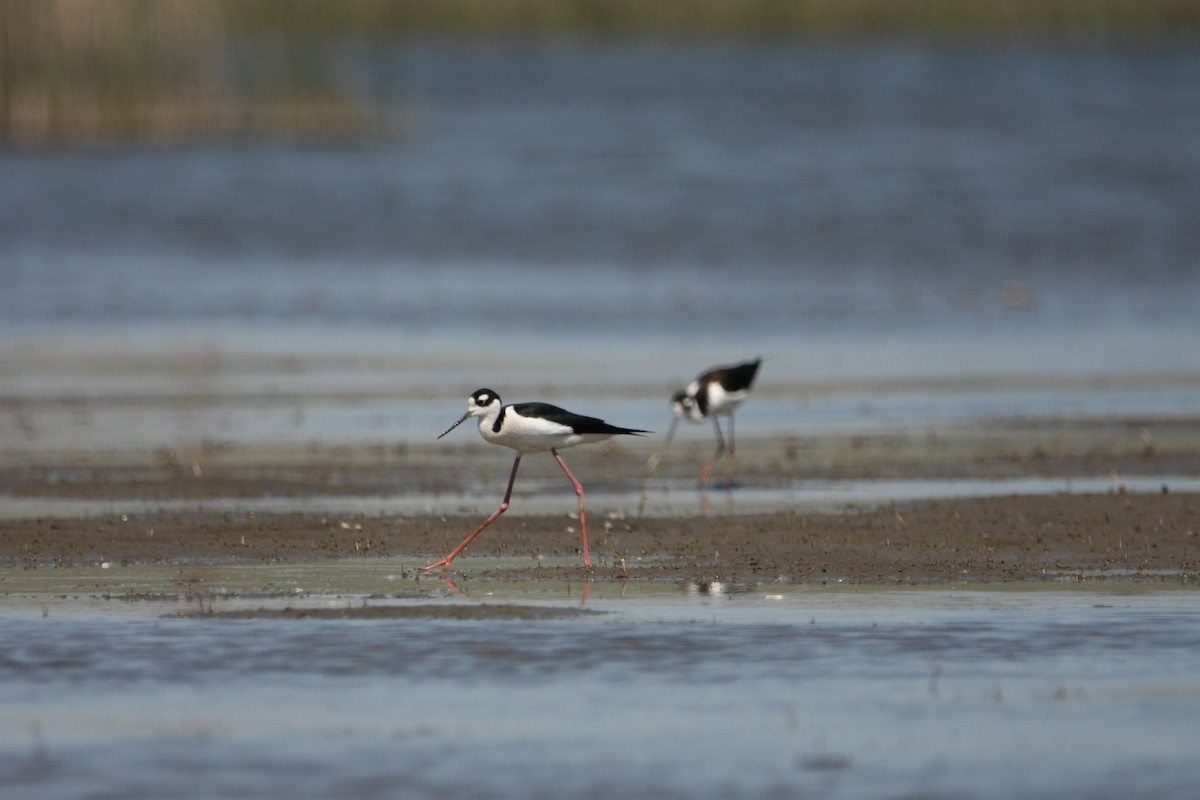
(461, 420)
(671, 432)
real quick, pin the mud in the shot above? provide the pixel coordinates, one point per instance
(1119, 536)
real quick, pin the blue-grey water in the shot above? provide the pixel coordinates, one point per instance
(770, 198)
(752, 695)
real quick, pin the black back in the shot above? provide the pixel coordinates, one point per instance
(576, 422)
(735, 377)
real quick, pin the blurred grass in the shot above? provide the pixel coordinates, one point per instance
(88, 70)
(728, 18)
(165, 70)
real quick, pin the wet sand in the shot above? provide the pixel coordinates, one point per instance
(1116, 536)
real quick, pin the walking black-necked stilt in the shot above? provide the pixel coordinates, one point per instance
(530, 428)
(715, 393)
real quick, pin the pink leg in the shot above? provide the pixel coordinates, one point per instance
(587, 559)
(729, 460)
(445, 562)
(712, 461)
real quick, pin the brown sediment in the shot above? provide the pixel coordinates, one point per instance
(1119, 535)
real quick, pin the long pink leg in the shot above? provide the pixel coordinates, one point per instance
(730, 458)
(587, 559)
(445, 562)
(712, 461)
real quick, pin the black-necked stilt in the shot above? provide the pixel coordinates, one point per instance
(530, 428)
(715, 393)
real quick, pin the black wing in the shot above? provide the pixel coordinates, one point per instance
(576, 422)
(735, 377)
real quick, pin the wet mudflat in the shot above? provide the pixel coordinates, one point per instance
(1113, 536)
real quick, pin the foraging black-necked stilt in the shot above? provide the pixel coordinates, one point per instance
(530, 428)
(717, 392)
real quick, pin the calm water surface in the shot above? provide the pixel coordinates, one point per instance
(863, 201)
(749, 694)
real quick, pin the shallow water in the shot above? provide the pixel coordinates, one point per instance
(745, 693)
(673, 498)
(891, 208)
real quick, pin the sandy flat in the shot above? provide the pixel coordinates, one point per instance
(1119, 536)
